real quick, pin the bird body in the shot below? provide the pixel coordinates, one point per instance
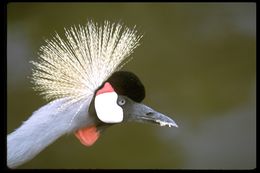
(80, 76)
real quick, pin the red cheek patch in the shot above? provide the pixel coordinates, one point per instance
(106, 88)
(87, 136)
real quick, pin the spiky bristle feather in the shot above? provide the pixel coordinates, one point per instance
(76, 66)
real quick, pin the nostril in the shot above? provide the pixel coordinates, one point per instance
(149, 113)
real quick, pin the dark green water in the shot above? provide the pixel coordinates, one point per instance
(197, 62)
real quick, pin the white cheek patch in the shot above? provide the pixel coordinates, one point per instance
(107, 109)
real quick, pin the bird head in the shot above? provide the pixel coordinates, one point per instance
(84, 69)
(118, 100)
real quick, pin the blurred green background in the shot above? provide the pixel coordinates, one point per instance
(197, 61)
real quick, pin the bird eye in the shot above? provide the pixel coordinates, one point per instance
(121, 101)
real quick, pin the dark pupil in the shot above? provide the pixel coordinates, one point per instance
(121, 102)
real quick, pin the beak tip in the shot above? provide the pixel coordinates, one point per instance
(173, 124)
(170, 124)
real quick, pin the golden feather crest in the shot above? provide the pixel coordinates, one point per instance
(76, 66)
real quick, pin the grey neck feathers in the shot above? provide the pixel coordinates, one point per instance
(43, 128)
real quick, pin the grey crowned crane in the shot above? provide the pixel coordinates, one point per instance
(80, 77)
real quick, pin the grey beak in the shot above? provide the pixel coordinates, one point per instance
(143, 113)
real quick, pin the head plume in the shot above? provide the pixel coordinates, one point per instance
(76, 66)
